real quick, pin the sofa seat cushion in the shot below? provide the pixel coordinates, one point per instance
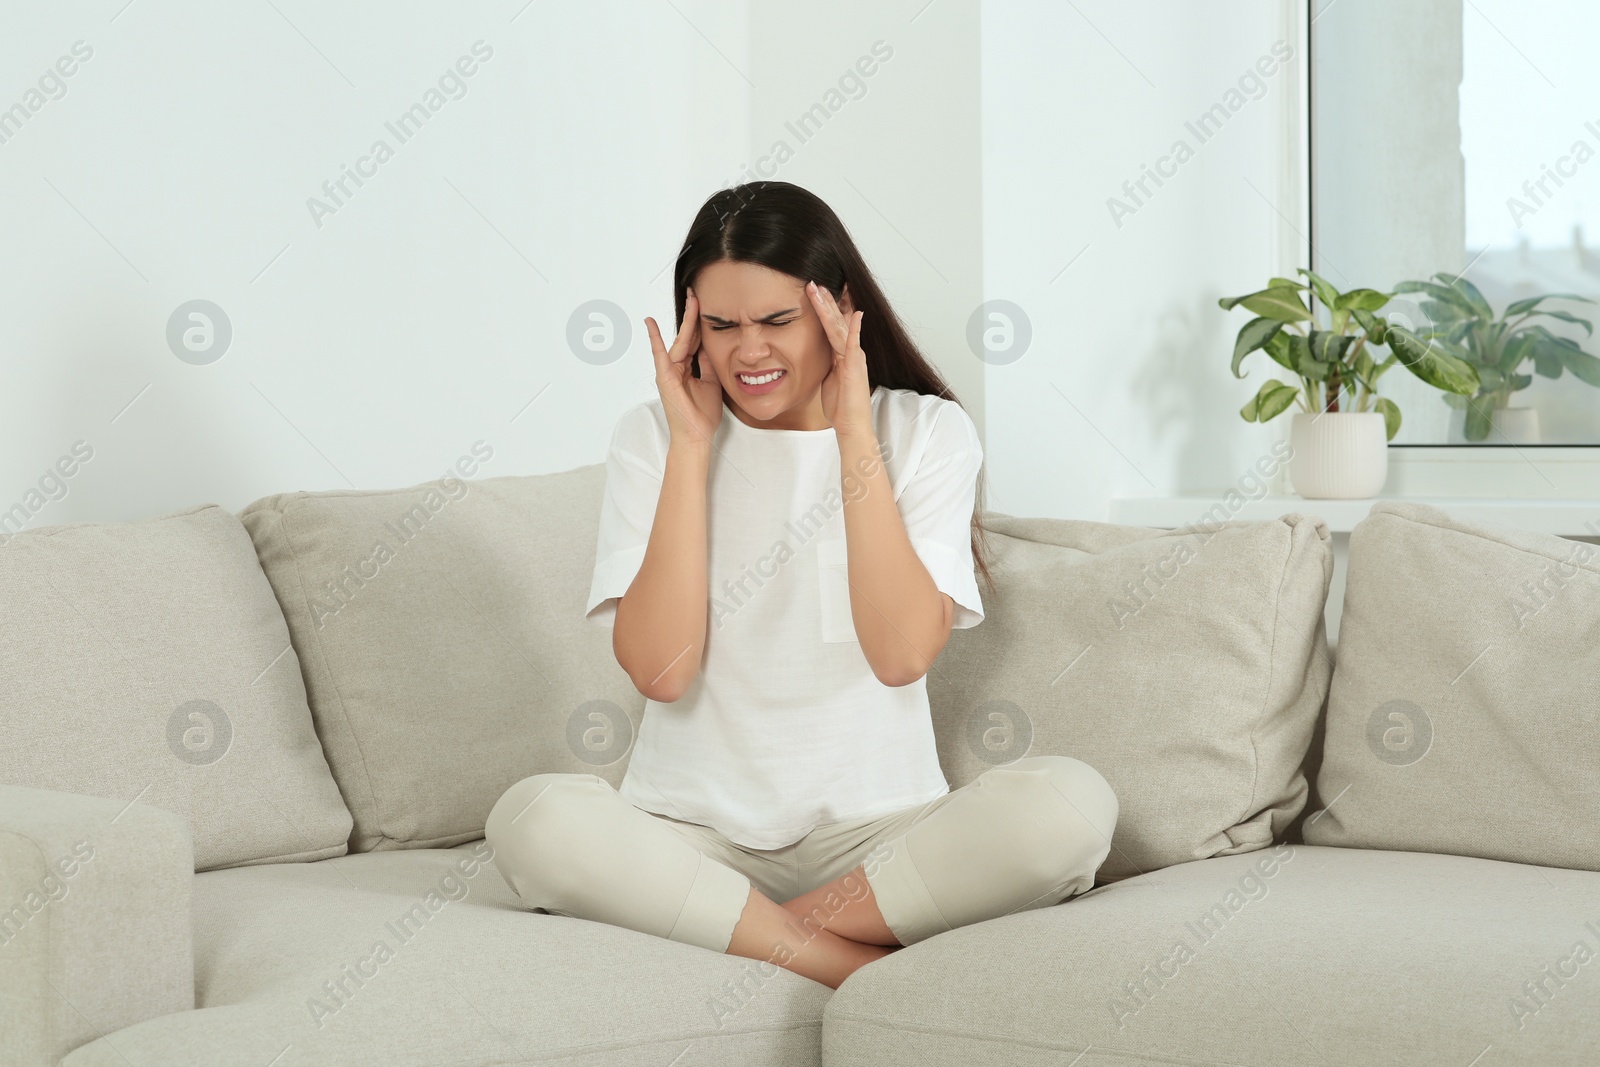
(1293, 955)
(468, 977)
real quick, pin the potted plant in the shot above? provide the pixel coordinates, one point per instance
(1466, 326)
(1339, 439)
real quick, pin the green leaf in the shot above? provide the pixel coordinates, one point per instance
(1489, 379)
(1456, 400)
(1283, 283)
(1550, 338)
(1255, 334)
(1441, 343)
(1439, 292)
(1521, 381)
(1362, 300)
(1373, 326)
(1547, 360)
(1442, 313)
(1511, 355)
(1516, 352)
(1269, 402)
(1567, 316)
(1282, 304)
(1470, 291)
(1522, 306)
(1269, 405)
(1432, 364)
(1329, 347)
(1584, 366)
(1391, 416)
(1281, 348)
(1363, 367)
(1380, 369)
(1320, 285)
(1306, 364)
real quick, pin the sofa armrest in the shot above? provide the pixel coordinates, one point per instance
(95, 927)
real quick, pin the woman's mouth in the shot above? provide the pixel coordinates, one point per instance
(760, 382)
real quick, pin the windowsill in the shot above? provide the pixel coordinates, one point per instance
(1564, 518)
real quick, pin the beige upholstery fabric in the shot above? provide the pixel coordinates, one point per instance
(149, 660)
(287, 957)
(446, 654)
(94, 920)
(1465, 711)
(1338, 956)
(1186, 667)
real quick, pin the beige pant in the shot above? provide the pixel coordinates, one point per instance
(1024, 835)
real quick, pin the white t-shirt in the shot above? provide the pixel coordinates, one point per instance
(786, 728)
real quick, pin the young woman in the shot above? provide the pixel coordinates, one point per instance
(788, 536)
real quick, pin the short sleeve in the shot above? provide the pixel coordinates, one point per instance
(634, 468)
(936, 506)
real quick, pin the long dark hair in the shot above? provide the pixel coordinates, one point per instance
(790, 230)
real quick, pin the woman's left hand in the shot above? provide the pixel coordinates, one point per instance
(846, 393)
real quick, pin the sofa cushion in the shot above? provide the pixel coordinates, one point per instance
(149, 661)
(1298, 955)
(1468, 683)
(446, 653)
(426, 957)
(1187, 666)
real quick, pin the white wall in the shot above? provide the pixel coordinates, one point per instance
(427, 311)
(419, 318)
(900, 160)
(1126, 388)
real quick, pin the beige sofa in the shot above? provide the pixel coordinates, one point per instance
(248, 760)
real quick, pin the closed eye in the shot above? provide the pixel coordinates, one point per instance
(731, 325)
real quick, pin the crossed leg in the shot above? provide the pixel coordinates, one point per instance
(857, 919)
(824, 946)
(1020, 836)
(1023, 835)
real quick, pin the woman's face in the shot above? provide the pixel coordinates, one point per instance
(761, 333)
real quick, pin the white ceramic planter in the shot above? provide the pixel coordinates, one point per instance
(1338, 455)
(1520, 425)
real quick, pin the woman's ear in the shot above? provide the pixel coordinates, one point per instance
(846, 305)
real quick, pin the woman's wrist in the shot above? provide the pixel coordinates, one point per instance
(694, 453)
(855, 443)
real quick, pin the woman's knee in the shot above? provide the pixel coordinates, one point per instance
(541, 830)
(1077, 811)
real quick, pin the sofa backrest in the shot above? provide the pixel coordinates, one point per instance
(442, 632)
(148, 661)
(446, 654)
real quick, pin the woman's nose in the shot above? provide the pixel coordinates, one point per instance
(752, 343)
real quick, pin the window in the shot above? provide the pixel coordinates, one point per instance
(1461, 138)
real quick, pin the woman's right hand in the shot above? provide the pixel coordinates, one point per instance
(693, 405)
